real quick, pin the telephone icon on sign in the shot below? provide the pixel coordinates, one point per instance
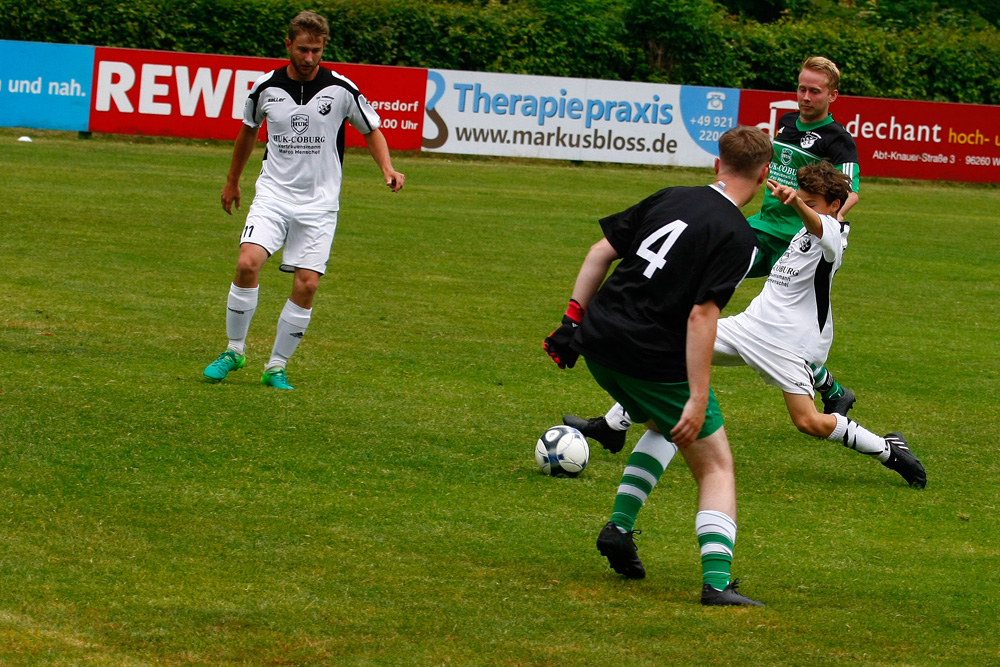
(715, 100)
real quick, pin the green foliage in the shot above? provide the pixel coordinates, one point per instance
(685, 41)
(580, 38)
(913, 49)
(949, 67)
(870, 64)
(764, 11)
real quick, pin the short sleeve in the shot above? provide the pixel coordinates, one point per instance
(362, 116)
(832, 241)
(853, 171)
(253, 114)
(620, 229)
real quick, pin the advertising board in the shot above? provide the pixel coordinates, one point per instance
(575, 119)
(45, 86)
(202, 96)
(903, 139)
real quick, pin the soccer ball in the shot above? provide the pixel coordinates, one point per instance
(562, 450)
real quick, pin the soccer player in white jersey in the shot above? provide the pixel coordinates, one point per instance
(298, 191)
(789, 326)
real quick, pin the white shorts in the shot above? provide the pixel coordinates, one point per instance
(735, 346)
(306, 235)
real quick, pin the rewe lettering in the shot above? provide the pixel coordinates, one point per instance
(159, 85)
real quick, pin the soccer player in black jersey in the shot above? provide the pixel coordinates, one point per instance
(806, 136)
(647, 334)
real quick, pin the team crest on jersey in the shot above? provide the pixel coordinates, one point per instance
(805, 243)
(324, 107)
(300, 123)
(808, 139)
(786, 156)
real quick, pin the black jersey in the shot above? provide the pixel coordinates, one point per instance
(680, 247)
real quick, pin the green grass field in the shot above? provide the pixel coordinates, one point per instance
(389, 511)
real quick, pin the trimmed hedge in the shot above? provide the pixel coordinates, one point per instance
(676, 41)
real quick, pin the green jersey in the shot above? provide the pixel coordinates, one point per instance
(797, 144)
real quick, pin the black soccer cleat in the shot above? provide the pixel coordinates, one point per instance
(902, 460)
(727, 597)
(620, 550)
(840, 405)
(598, 429)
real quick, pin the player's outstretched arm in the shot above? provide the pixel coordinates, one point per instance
(246, 141)
(379, 149)
(789, 196)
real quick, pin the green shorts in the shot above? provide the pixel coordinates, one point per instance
(663, 402)
(771, 250)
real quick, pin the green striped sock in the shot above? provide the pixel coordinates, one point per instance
(651, 456)
(716, 537)
(825, 383)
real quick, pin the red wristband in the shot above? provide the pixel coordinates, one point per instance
(574, 311)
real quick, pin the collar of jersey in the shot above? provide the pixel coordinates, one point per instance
(722, 192)
(802, 127)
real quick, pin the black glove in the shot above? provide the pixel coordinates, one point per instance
(558, 342)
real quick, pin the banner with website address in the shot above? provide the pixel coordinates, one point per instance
(575, 119)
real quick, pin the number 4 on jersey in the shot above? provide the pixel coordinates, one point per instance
(658, 259)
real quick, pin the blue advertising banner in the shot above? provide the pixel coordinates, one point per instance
(45, 86)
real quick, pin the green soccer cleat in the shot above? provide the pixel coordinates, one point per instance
(275, 378)
(227, 362)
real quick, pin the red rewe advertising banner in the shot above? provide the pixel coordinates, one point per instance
(903, 139)
(202, 96)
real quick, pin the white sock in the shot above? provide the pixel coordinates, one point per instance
(292, 326)
(855, 436)
(240, 307)
(617, 418)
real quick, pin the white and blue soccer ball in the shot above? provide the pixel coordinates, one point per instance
(562, 450)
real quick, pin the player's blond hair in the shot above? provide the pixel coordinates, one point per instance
(823, 66)
(744, 149)
(309, 23)
(823, 179)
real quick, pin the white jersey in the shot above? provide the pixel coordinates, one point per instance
(793, 311)
(303, 164)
